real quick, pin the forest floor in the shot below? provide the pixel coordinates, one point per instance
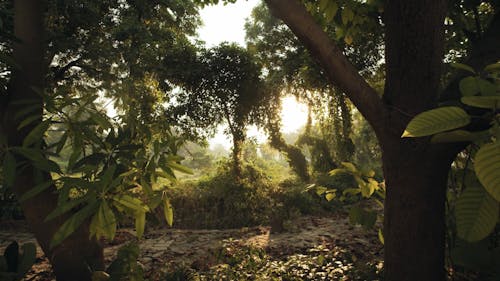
(198, 249)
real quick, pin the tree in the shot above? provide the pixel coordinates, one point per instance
(225, 88)
(290, 69)
(52, 87)
(415, 170)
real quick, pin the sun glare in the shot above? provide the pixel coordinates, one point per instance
(293, 114)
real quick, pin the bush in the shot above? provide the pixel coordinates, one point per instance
(222, 202)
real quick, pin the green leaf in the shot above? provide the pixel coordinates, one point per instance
(491, 102)
(487, 168)
(350, 167)
(331, 11)
(168, 210)
(37, 133)
(335, 172)
(476, 214)
(381, 236)
(131, 203)
(100, 119)
(103, 223)
(456, 136)
(73, 223)
(36, 190)
(436, 121)
(358, 215)
(462, 67)
(347, 15)
(29, 120)
(61, 142)
(330, 196)
(9, 169)
(468, 86)
(179, 167)
(140, 223)
(492, 67)
(65, 207)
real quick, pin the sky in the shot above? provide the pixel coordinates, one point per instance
(226, 23)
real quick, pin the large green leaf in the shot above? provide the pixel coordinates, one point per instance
(487, 167)
(436, 121)
(476, 214)
(73, 223)
(490, 102)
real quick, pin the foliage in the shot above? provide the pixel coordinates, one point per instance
(361, 184)
(221, 201)
(14, 264)
(477, 207)
(124, 267)
(238, 262)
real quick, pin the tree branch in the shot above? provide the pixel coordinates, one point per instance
(337, 67)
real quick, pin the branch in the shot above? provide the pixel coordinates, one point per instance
(60, 71)
(337, 67)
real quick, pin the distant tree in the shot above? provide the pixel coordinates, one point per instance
(224, 88)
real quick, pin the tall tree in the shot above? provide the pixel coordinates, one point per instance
(77, 256)
(225, 88)
(415, 170)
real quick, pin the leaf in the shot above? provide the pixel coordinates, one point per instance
(100, 119)
(330, 196)
(347, 15)
(487, 167)
(64, 208)
(9, 169)
(358, 215)
(436, 120)
(492, 67)
(179, 167)
(462, 67)
(491, 102)
(350, 167)
(36, 190)
(331, 11)
(468, 86)
(335, 172)
(73, 223)
(131, 203)
(104, 222)
(37, 133)
(476, 214)
(140, 223)
(61, 142)
(381, 236)
(168, 210)
(29, 120)
(453, 136)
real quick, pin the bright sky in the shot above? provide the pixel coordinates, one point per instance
(226, 23)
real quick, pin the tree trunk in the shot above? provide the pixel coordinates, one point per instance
(238, 142)
(74, 259)
(414, 216)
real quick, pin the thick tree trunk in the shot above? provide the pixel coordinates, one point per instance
(414, 215)
(74, 259)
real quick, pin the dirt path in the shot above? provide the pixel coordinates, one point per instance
(198, 248)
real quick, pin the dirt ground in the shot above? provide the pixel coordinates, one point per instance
(197, 248)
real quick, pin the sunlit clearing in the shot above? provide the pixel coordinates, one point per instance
(293, 114)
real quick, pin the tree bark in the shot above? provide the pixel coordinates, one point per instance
(74, 259)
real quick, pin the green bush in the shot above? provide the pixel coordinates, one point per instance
(221, 201)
